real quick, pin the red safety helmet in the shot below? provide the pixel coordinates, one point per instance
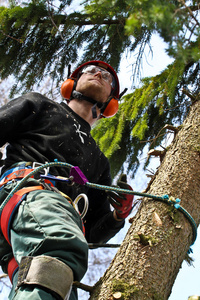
(110, 108)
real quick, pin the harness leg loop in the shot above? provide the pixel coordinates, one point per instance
(47, 272)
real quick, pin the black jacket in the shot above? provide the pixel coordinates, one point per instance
(41, 130)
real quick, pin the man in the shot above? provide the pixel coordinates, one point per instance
(44, 234)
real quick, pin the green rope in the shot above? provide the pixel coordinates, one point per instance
(166, 199)
(119, 190)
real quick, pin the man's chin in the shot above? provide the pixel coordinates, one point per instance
(95, 92)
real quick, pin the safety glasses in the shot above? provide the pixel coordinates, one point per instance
(92, 69)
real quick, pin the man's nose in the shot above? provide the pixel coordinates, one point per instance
(98, 73)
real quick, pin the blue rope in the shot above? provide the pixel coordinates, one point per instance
(166, 199)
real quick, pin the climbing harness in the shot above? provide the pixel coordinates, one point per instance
(10, 207)
(76, 176)
(23, 170)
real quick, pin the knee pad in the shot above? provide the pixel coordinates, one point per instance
(47, 272)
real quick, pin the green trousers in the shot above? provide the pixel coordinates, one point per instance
(47, 224)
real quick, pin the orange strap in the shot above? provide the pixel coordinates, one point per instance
(12, 268)
(6, 218)
(21, 174)
(15, 175)
(10, 208)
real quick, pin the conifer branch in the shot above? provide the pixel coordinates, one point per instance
(52, 20)
(83, 19)
(83, 286)
(190, 11)
(192, 97)
(159, 153)
(11, 37)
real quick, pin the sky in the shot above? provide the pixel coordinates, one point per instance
(187, 281)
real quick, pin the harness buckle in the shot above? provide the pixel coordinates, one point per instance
(35, 165)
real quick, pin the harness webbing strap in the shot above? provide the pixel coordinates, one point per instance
(6, 218)
(12, 268)
(15, 175)
(11, 207)
(19, 174)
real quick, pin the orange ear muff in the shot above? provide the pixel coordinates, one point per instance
(111, 108)
(67, 88)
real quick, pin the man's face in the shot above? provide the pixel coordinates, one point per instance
(95, 83)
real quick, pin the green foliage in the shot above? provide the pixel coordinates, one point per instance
(37, 41)
(117, 9)
(172, 20)
(156, 15)
(27, 44)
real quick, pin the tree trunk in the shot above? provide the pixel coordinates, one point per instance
(149, 259)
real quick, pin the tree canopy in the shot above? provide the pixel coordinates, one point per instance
(41, 38)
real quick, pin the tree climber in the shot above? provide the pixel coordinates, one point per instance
(42, 245)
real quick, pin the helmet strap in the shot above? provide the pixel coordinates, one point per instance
(78, 95)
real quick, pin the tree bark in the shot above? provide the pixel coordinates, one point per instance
(149, 259)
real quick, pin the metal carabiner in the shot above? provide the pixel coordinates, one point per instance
(86, 204)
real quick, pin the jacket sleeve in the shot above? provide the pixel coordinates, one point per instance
(100, 225)
(13, 113)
